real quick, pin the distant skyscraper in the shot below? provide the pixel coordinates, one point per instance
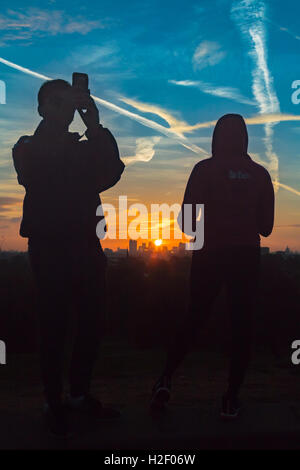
(121, 252)
(132, 247)
(108, 252)
(151, 246)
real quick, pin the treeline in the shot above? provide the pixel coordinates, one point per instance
(147, 298)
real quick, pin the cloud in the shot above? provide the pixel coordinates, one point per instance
(173, 122)
(289, 225)
(10, 207)
(21, 26)
(257, 119)
(8, 201)
(144, 150)
(176, 135)
(220, 91)
(87, 55)
(257, 158)
(169, 132)
(250, 17)
(277, 185)
(208, 53)
(176, 129)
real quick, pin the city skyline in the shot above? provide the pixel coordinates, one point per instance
(134, 248)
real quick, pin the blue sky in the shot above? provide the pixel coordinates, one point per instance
(178, 65)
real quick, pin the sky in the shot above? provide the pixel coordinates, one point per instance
(163, 73)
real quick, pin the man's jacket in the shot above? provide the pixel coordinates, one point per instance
(63, 177)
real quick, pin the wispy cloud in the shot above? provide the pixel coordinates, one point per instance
(144, 150)
(253, 120)
(169, 132)
(174, 123)
(10, 207)
(206, 54)
(278, 184)
(20, 26)
(289, 226)
(6, 201)
(177, 127)
(91, 54)
(220, 91)
(250, 17)
(176, 135)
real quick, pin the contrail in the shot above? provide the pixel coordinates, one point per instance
(23, 69)
(250, 15)
(146, 122)
(288, 188)
(153, 125)
(219, 91)
(136, 117)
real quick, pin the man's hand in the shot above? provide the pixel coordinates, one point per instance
(90, 117)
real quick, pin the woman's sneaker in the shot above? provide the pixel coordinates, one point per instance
(230, 407)
(161, 393)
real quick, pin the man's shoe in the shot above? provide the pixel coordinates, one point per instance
(90, 407)
(161, 393)
(56, 421)
(230, 408)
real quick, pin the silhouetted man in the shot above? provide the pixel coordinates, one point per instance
(238, 199)
(63, 177)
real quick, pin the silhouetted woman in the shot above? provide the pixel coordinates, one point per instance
(238, 199)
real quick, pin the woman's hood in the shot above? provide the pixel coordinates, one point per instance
(230, 137)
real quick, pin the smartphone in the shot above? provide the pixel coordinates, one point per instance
(81, 81)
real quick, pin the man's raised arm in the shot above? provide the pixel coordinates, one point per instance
(101, 150)
(105, 165)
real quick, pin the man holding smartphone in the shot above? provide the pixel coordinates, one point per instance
(63, 177)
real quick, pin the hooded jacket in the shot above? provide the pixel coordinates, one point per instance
(237, 193)
(63, 177)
